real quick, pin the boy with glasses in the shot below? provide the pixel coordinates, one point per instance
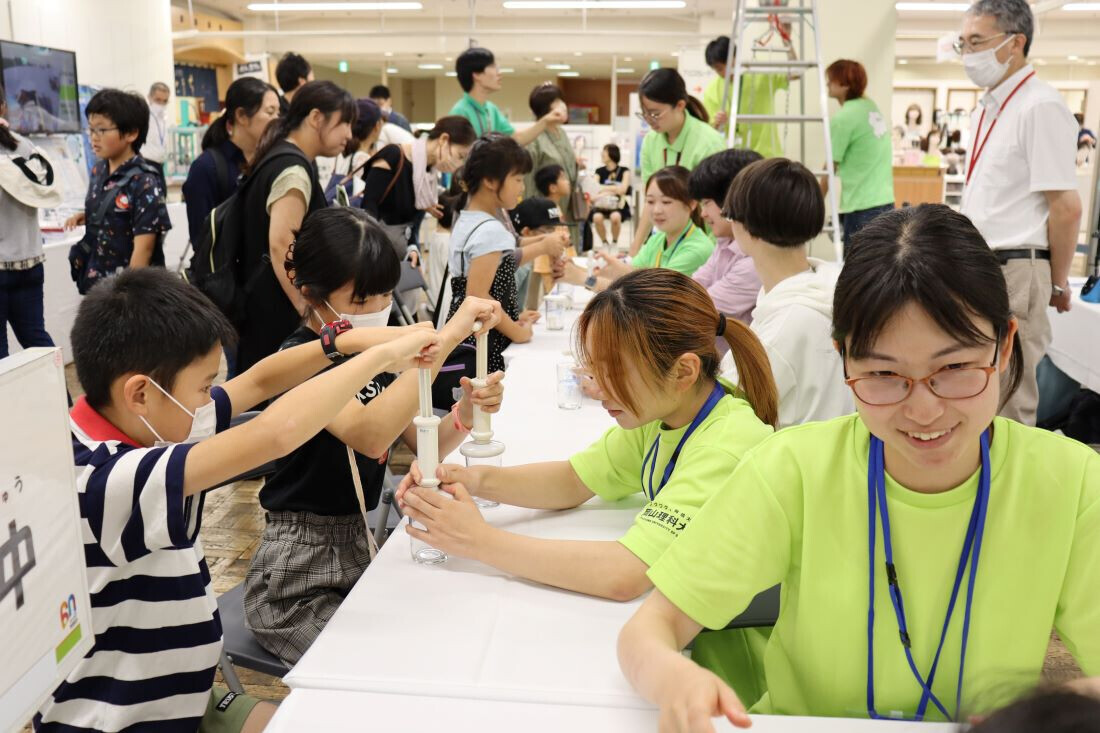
(124, 215)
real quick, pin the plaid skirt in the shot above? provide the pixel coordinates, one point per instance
(303, 569)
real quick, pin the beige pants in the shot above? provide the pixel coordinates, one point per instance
(1029, 297)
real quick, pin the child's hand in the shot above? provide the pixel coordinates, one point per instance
(74, 221)
(488, 398)
(526, 333)
(529, 317)
(448, 472)
(454, 525)
(417, 348)
(553, 245)
(473, 310)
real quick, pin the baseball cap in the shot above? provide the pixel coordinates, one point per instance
(535, 213)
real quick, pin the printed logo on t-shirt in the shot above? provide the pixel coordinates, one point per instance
(369, 392)
(670, 518)
(878, 123)
(226, 701)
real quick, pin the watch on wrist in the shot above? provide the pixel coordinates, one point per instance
(329, 332)
(590, 282)
(1058, 290)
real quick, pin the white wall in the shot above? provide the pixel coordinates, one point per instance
(118, 43)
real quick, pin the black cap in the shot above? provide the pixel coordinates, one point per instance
(535, 213)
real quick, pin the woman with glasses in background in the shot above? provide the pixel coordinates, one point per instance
(678, 134)
(925, 547)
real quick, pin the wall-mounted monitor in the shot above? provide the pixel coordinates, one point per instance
(40, 88)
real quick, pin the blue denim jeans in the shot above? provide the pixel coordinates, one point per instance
(853, 221)
(21, 306)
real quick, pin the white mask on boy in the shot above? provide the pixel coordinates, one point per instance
(204, 421)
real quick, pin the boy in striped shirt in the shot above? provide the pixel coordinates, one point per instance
(149, 436)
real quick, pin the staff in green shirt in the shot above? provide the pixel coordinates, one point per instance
(757, 97)
(648, 343)
(479, 77)
(923, 544)
(862, 150)
(678, 134)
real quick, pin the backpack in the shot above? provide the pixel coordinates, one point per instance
(216, 267)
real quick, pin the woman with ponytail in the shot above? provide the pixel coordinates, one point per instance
(648, 341)
(678, 134)
(280, 190)
(228, 145)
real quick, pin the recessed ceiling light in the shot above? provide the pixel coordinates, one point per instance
(392, 70)
(594, 4)
(538, 59)
(333, 7)
(625, 71)
(388, 54)
(1071, 57)
(430, 67)
(451, 73)
(934, 7)
(507, 70)
(903, 62)
(675, 54)
(569, 73)
(578, 53)
(557, 66)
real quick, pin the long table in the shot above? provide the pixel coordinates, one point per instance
(1075, 348)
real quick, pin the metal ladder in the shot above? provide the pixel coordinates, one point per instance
(737, 67)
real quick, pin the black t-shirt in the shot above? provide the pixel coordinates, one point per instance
(607, 177)
(317, 478)
(399, 205)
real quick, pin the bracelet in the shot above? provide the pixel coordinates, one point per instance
(458, 421)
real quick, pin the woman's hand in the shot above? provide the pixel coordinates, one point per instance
(489, 398)
(74, 221)
(447, 473)
(611, 268)
(413, 256)
(435, 211)
(453, 524)
(695, 695)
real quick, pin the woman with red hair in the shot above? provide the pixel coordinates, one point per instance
(862, 149)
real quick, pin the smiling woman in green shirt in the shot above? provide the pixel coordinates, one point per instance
(678, 134)
(922, 544)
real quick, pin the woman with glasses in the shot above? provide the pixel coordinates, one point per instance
(678, 134)
(925, 547)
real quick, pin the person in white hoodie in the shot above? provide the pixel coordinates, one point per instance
(776, 208)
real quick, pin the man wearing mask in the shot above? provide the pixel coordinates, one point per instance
(155, 149)
(1021, 183)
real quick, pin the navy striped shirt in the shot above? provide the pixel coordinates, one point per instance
(158, 636)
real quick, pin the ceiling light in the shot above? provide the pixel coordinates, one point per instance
(903, 62)
(538, 59)
(594, 4)
(388, 54)
(449, 58)
(675, 54)
(578, 53)
(337, 7)
(569, 73)
(628, 59)
(451, 73)
(507, 70)
(1092, 63)
(557, 66)
(933, 7)
(1086, 7)
(430, 67)
(392, 70)
(624, 71)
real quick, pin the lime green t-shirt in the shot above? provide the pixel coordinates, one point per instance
(612, 469)
(864, 155)
(796, 512)
(757, 98)
(692, 252)
(484, 117)
(696, 141)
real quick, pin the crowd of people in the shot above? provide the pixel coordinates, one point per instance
(781, 406)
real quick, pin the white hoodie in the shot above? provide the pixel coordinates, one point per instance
(794, 322)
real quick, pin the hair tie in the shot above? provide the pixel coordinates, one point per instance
(721, 324)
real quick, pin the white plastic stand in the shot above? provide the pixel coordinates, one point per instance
(427, 455)
(482, 450)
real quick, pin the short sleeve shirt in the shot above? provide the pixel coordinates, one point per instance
(612, 469)
(689, 255)
(484, 117)
(795, 512)
(757, 98)
(696, 141)
(863, 153)
(476, 234)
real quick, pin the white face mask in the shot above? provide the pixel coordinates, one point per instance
(204, 421)
(159, 110)
(983, 68)
(379, 319)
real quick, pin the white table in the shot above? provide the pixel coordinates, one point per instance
(354, 711)
(1075, 346)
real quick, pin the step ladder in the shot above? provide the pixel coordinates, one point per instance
(806, 15)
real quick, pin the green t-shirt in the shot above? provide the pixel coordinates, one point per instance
(696, 141)
(864, 155)
(612, 469)
(796, 511)
(484, 117)
(692, 252)
(757, 98)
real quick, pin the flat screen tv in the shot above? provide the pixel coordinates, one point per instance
(40, 88)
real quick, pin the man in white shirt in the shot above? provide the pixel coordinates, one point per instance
(1021, 184)
(155, 149)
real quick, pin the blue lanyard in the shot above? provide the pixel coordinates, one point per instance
(651, 457)
(972, 545)
(683, 235)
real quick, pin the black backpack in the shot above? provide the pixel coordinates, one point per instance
(217, 266)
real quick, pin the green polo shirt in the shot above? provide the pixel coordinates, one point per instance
(757, 98)
(484, 117)
(686, 254)
(696, 141)
(864, 155)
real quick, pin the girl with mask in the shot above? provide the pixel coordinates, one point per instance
(316, 543)
(925, 547)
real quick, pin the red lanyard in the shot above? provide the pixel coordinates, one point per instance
(979, 142)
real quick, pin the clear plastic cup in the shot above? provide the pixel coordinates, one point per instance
(569, 386)
(485, 460)
(555, 306)
(422, 552)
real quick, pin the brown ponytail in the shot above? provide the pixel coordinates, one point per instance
(696, 109)
(652, 317)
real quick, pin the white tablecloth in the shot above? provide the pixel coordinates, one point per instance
(1075, 347)
(330, 710)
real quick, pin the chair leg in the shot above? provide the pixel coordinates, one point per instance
(229, 674)
(383, 517)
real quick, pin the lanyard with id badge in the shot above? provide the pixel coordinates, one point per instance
(715, 397)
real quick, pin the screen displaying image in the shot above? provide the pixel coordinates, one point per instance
(40, 88)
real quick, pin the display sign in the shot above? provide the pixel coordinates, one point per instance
(45, 622)
(255, 67)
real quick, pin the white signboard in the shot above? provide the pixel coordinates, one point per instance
(45, 622)
(693, 67)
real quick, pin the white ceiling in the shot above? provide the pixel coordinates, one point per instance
(370, 40)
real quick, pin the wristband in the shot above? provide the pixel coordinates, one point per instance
(329, 332)
(458, 421)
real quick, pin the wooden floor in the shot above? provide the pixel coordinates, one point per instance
(233, 523)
